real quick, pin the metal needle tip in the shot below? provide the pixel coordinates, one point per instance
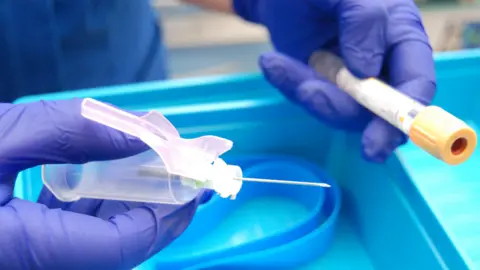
(285, 182)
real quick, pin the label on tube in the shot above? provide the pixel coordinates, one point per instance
(386, 102)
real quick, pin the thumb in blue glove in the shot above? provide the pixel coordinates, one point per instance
(87, 234)
(382, 39)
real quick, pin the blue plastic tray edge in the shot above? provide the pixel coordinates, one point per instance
(457, 55)
(143, 87)
(424, 217)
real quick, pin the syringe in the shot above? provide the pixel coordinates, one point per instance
(430, 127)
(172, 172)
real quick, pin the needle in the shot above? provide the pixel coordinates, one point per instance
(155, 172)
(286, 182)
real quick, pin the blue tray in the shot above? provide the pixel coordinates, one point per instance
(261, 219)
(411, 213)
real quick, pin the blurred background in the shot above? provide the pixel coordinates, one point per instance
(207, 43)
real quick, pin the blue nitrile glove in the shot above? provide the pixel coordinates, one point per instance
(383, 39)
(87, 234)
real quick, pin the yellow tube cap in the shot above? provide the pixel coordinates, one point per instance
(443, 135)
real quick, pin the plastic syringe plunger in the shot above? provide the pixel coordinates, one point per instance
(430, 127)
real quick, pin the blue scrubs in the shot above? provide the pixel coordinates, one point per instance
(56, 45)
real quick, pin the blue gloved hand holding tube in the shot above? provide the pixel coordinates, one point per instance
(86, 234)
(384, 39)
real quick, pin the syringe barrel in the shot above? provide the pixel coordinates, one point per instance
(431, 128)
(141, 178)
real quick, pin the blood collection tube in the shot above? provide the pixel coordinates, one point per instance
(431, 128)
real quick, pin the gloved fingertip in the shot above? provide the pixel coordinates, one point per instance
(134, 142)
(372, 153)
(273, 68)
(362, 65)
(206, 196)
(284, 72)
(380, 139)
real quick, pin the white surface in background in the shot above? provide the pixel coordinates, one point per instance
(195, 37)
(165, 3)
(200, 28)
(436, 24)
(203, 28)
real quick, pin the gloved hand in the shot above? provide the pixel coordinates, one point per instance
(383, 39)
(87, 234)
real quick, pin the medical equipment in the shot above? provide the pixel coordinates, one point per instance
(431, 128)
(173, 172)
